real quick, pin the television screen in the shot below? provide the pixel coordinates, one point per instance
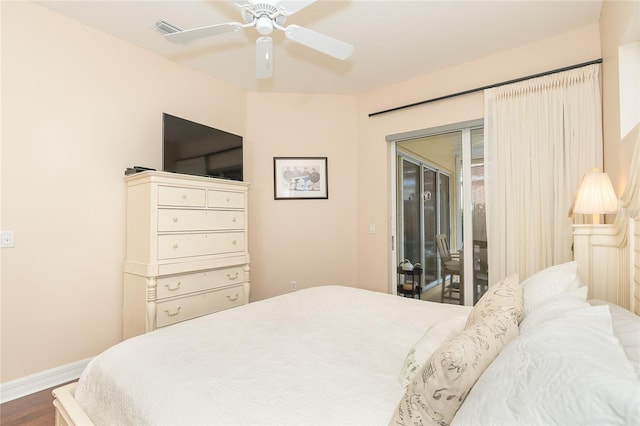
(196, 149)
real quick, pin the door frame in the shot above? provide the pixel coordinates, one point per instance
(393, 237)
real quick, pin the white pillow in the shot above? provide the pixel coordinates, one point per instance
(559, 307)
(626, 327)
(549, 283)
(432, 339)
(570, 371)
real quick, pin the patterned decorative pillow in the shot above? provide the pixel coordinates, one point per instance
(504, 294)
(442, 384)
(432, 339)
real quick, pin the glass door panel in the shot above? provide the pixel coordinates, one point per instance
(480, 259)
(410, 212)
(430, 220)
(445, 206)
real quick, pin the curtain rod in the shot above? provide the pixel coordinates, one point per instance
(491, 86)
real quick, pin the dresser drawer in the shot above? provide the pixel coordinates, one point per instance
(199, 220)
(178, 285)
(222, 199)
(171, 246)
(176, 196)
(188, 307)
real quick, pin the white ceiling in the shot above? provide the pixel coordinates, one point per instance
(394, 40)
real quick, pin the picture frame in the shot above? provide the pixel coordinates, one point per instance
(300, 178)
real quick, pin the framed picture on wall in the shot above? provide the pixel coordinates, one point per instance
(297, 178)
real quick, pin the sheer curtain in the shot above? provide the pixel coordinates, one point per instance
(541, 136)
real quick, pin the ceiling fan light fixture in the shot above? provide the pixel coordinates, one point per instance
(264, 25)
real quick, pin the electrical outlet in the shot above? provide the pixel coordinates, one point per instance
(293, 285)
(6, 239)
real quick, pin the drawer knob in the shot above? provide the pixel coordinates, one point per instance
(233, 220)
(184, 196)
(175, 245)
(178, 284)
(175, 219)
(232, 277)
(234, 298)
(228, 199)
(172, 314)
(234, 242)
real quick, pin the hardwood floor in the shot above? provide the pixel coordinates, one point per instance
(31, 410)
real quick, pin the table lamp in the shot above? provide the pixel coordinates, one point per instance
(595, 196)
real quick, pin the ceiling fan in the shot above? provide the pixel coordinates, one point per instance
(264, 16)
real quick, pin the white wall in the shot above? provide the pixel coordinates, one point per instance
(619, 25)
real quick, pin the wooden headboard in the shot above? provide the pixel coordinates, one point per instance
(608, 256)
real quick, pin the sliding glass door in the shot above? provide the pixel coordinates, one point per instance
(440, 190)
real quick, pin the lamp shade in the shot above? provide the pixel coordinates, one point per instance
(596, 195)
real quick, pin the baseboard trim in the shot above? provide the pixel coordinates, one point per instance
(23, 386)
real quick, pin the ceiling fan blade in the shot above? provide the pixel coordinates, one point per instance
(264, 57)
(243, 3)
(187, 36)
(289, 7)
(320, 42)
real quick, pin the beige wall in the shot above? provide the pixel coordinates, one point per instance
(79, 106)
(619, 25)
(312, 242)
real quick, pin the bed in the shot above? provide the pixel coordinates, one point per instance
(535, 351)
(339, 355)
(324, 355)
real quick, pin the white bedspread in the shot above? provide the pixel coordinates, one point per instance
(325, 355)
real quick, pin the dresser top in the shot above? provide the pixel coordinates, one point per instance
(179, 178)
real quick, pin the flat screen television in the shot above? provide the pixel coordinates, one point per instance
(195, 149)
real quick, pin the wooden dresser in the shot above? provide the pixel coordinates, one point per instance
(187, 249)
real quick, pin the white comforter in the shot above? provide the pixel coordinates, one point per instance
(325, 355)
